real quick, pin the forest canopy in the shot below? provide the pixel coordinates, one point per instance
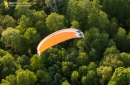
(102, 57)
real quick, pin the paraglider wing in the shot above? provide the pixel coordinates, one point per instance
(57, 37)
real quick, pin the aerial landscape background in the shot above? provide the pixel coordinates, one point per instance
(102, 57)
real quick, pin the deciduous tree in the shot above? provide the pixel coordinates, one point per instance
(56, 23)
(77, 10)
(75, 77)
(25, 77)
(43, 77)
(32, 37)
(7, 64)
(14, 40)
(120, 77)
(8, 21)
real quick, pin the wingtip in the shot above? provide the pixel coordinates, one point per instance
(38, 52)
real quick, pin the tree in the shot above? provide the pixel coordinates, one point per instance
(39, 5)
(96, 17)
(125, 57)
(104, 73)
(7, 64)
(127, 22)
(92, 66)
(77, 10)
(43, 77)
(67, 68)
(2, 8)
(111, 58)
(1, 19)
(22, 77)
(84, 80)
(92, 78)
(83, 70)
(24, 23)
(112, 27)
(8, 21)
(54, 56)
(82, 59)
(23, 10)
(56, 23)
(74, 24)
(65, 83)
(9, 80)
(120, 77)
(121, 40)
(23, 61)
(118, 9)
(94, 43)
(39, 22)
(32, 38)
(25, 77)
(36, 62)
(54, 5)
(7, 8)
(75, 78)
(13, 40)
(53, 70)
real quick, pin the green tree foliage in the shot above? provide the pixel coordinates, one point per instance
(1, 30)
(54, 5)
(112, 27)
(88, 74)
(77, 10)
(24, 23)
(22, 77)
(94, 42)
(65, 83)
(105, 72)
(43, 77)
(96, 17)
(25, 77)
(7, 64)
(56, 23)
(125, 57)
(23, 61)
(39, 5)
(8, 21)
(83, 70)
(74, 24)
(13, 40)
(67, 68)
(22, 10)
(39, 21)
(9, 80)
(111, 58)
(1, 18)
(32, 37)
(118, 9)
(121, 39)
(91, 78)
(84, 80)
(2, 7)
(75, 77)
(109, 62)
(82, 59)
(54, 56)
(120, 77)
(36, 62)
(92, 66)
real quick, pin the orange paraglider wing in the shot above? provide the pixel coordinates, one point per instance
(57, 37)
